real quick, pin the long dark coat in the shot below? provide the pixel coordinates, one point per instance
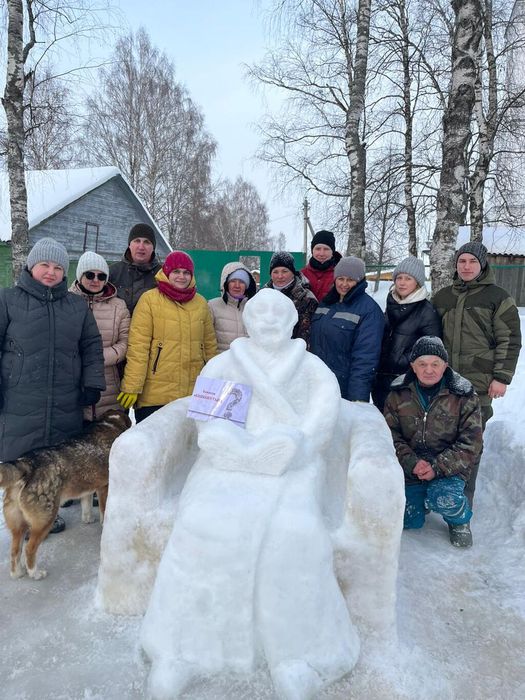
(405, 323)
(50, 350)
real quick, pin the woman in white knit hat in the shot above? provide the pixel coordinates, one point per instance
(112, 317)
(409, 316)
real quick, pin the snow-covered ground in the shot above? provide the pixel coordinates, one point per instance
(461, 614)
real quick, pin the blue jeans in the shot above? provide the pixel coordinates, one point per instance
(444, 496)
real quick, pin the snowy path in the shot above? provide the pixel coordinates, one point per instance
(461, 614)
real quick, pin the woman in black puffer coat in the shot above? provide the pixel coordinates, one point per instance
(409, 315)
(51, 360)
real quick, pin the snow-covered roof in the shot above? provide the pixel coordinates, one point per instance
(49, 191)
(499, 239)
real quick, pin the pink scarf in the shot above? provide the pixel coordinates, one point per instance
(180, 295)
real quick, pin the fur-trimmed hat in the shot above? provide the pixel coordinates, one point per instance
(411, 266)
(475, 248)
(142, 231)
(47, 249)
(324, 237)
(282, 259)
(178, 260)
(350, 267)
(429, 345)
(91, 261)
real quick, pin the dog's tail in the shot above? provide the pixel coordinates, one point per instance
(11, 472)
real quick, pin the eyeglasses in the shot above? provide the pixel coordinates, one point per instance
(99, 275)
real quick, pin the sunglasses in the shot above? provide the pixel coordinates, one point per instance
(99, 275)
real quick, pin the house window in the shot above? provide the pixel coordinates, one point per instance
(91, 236)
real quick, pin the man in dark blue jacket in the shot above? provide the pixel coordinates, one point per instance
(347, 330)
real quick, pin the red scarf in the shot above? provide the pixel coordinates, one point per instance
(180, 295)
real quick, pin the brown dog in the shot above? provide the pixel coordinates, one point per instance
(39, 481)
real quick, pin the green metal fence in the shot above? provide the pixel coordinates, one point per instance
(208, 266)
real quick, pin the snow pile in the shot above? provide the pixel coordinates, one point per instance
(460, 614)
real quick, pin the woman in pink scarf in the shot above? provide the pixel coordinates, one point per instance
(170, 339)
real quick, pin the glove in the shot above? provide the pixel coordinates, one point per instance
(127, 400)
(90, 396)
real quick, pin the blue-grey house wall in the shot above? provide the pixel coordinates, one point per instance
(112, 206)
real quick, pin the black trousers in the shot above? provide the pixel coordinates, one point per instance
(142, 413)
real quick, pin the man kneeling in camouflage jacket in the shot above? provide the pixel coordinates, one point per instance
(435, 419)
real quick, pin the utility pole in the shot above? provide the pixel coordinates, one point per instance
(307, 224)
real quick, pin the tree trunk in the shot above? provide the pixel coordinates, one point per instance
(408, 117)
(487, 126)
(355, 148)
(456, 135)
(13, 103)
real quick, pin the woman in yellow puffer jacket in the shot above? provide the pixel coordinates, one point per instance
(170, 339)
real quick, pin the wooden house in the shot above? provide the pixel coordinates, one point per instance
(84, 208)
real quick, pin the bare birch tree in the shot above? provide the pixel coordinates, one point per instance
(457, 132)
(51, 123)
(321, 67)
(35, 29)
(240, 218)
(144, 122)
(13, 103)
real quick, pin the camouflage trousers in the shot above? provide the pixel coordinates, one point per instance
(444, 496)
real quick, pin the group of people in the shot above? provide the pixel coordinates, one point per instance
(138, 334)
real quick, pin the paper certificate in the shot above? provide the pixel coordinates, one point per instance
(219, 398)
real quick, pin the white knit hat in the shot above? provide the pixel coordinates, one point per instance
(91, 261)
(47, 249)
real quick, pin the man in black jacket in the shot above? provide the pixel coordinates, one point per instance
(135, 273)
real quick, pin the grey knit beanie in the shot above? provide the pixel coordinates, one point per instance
(428, 345)
(350, 267)
(91, 261)
(47, 249)
(282, 259)
(239, 274)
(411, 266)
(475, 248)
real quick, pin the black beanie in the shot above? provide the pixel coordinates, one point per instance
(142, 231)
(324, 237)
(282, 259)
(429, 345)
(475, 248)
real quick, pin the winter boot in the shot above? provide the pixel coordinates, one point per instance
(58, 526)
(460, 535)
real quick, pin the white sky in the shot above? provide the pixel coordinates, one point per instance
(209, 42)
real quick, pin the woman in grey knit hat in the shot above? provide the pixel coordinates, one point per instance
(409, 316)
(51, 364)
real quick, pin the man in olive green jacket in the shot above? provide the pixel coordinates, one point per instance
(481, 330)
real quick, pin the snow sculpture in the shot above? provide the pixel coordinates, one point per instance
(248, 571)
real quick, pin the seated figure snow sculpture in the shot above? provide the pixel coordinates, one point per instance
(247, 574)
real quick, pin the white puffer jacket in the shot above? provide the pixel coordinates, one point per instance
(227, 312)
